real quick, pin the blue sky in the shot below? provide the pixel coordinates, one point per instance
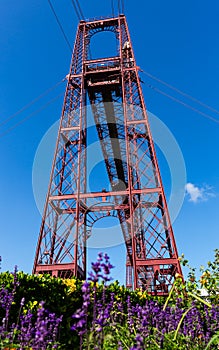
(177, 42)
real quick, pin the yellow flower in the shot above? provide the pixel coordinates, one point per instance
(71, 284)
(203, 280)
(30, 306)
(92, 284)
(206, 274)
(143, 296)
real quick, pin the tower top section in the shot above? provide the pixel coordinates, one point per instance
(101, 19)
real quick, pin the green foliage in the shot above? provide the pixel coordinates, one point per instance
(64, 297)
(208, 282)
(55, 293)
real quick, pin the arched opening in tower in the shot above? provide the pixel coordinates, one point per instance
(106, 236)
(99, 48)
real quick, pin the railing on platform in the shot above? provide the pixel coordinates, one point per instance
(102, 64)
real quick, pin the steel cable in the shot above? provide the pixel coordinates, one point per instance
(112, 7)
(76, 10)
(123, 6)
(60, 25)
(183, 103)
(119, 8)
(180, 92)
(30, 116)
(31, 103)
(80, 10)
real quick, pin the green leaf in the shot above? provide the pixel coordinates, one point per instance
(213, 339)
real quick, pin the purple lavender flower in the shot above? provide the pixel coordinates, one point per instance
(139, 343)
(80, 316)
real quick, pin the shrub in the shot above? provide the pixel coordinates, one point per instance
(96, 314)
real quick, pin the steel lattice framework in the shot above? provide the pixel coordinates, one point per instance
(112, 88)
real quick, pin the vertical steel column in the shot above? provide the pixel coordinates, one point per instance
(58, 239)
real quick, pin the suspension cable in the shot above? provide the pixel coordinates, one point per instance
(183, 103)
(80, 15)
(180, 92)
(5, 121)
(29, 116)
(123, 6)
(60, 25)
(80, 10)
(112, 7)
(119, 8)
(76, 10)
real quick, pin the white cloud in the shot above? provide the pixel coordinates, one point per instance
(198, 194)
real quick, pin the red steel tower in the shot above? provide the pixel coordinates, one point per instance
(111, 86)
